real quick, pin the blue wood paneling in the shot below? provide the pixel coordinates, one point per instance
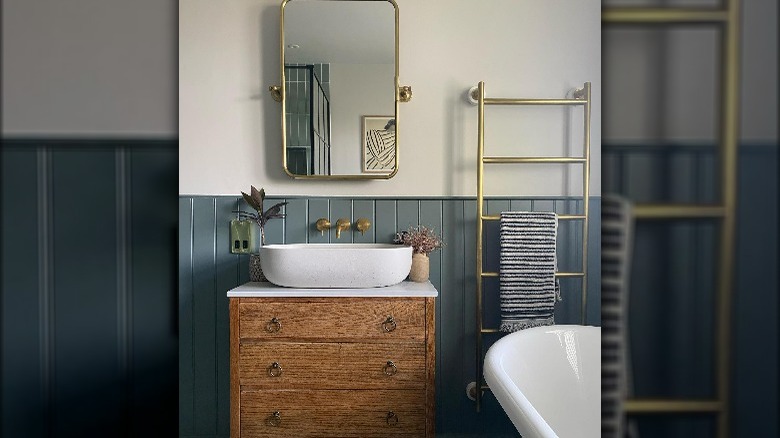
(672, 293)
(452, 272)
(89, 293)
(385, 224)
(24, 388)
(450, 308)
(756, 301)
(152, 293)
(297, 223)
(226, 265)
(186, 344)
(204, 299)
(85, 293)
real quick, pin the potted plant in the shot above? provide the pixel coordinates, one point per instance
(260, 217)
(423, 241)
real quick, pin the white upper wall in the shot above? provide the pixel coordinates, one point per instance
(229, 127)
(109, 68)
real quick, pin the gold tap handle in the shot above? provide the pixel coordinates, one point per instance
(363, 225)
(322, 225)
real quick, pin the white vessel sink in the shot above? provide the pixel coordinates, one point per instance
(548, 380)
(340, 265)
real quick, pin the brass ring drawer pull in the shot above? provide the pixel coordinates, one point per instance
(390, 369)
(392, 419)
(275, 370)
(275, 420)
(389, 324)
(274, 325)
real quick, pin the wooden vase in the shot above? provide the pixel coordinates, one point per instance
(421, 266)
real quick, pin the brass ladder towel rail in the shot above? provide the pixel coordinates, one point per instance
(727, 17)
(581, 97)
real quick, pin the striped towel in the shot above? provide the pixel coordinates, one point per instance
(617, 231)
(527, 283)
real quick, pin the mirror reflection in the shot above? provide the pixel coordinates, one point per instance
(339, 73)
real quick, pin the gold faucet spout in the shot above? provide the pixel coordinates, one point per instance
(341, 225)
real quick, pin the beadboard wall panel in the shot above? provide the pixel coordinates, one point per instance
(208, 270)
(673, 283)
(88, 292)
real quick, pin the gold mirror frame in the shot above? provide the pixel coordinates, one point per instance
(278, 92)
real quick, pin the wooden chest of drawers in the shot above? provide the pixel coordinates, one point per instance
(332, 367)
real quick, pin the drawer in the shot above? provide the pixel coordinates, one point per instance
(334, 413)
(331, 365)
(323, 319)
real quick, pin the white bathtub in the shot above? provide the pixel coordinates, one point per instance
(548, 380)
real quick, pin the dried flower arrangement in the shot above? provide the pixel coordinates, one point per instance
(255, 200)
(421, 238)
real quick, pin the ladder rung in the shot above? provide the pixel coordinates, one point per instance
(561, 217)
(673, 211)
(505, 101)
(663, 15)
(557, 274)
(518, 160)
(652, 406)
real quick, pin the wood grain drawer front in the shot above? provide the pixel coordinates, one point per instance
(324, 319)
(335, 413)
(332, 365)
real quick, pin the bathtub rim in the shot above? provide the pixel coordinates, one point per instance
(512, 395)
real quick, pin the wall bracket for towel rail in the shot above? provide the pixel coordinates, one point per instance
(580, 97)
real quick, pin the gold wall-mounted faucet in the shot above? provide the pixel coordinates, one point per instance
(322, 225)
(341, 225)
(363, 225)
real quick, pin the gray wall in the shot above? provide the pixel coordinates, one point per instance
(207, 271)
(81, 68)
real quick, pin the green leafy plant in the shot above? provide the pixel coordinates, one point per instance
(255, 200)
(421, 238)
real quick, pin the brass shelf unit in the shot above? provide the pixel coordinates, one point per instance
(581, 97)
(727, 18)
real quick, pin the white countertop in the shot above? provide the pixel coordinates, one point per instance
(269, 290)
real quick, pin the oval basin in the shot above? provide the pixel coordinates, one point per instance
(337, 265)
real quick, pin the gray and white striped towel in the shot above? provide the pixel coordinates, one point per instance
(527, 284)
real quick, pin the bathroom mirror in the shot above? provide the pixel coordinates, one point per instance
(339, 88)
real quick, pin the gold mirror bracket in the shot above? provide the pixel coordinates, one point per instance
(404, 93)
(276, 92)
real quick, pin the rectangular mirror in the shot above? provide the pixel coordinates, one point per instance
(339, 88)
